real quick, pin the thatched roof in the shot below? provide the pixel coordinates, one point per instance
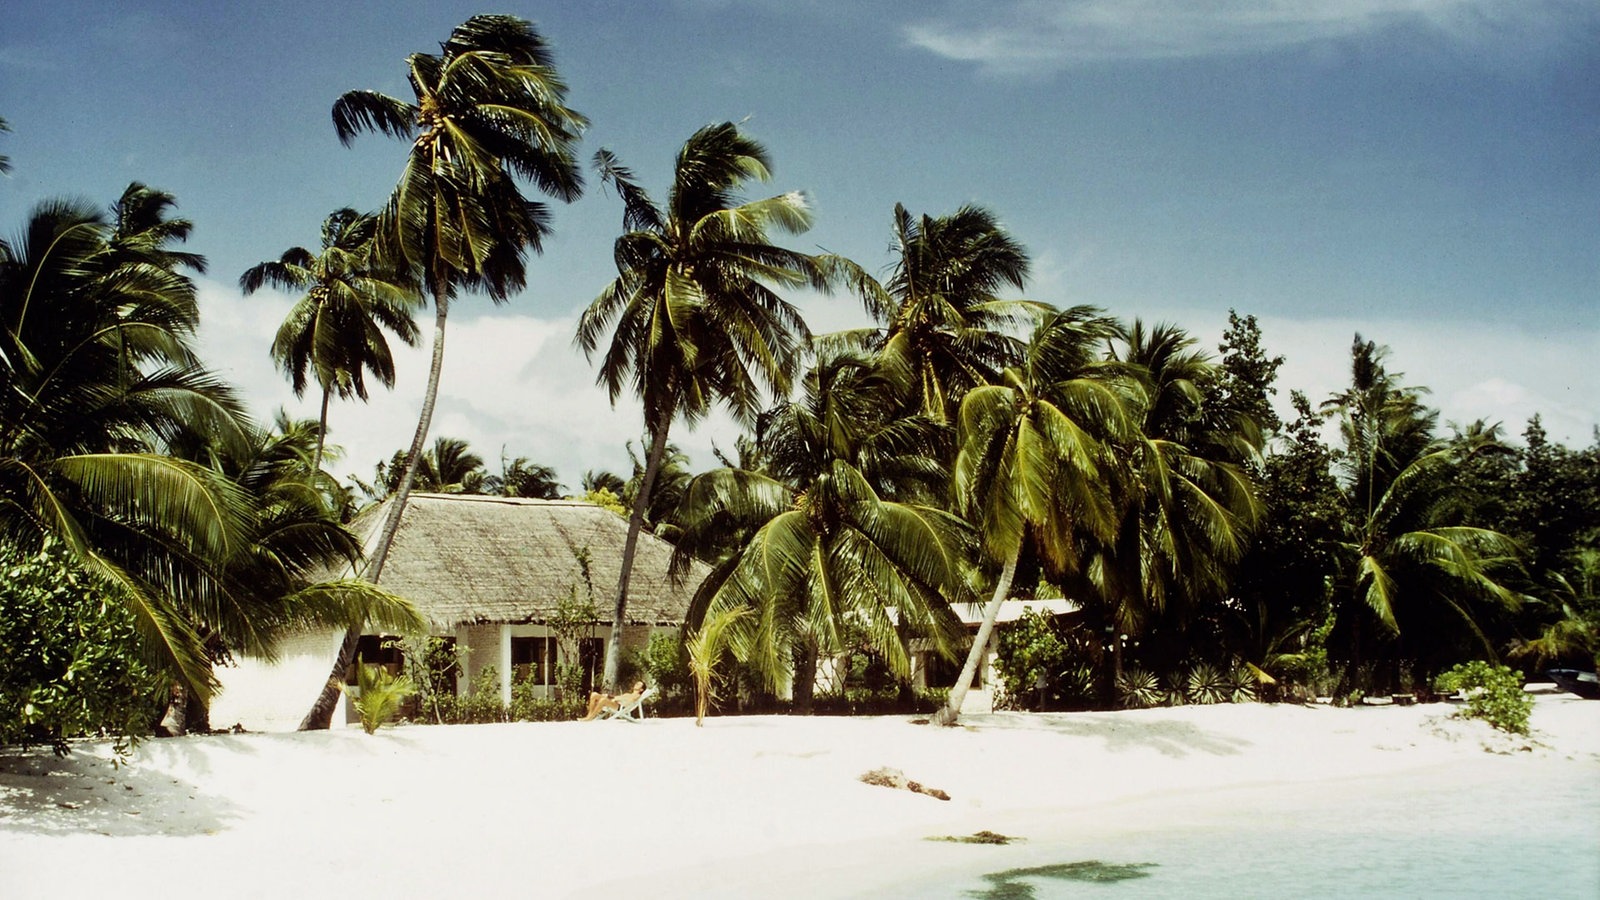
(471, 559)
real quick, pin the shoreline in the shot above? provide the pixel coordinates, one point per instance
(586, 809)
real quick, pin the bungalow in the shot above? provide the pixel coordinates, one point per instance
(928, 669)
(488, 574)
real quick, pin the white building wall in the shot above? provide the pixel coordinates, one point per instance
(483, 646)
(262, 696)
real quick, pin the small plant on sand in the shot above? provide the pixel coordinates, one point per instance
(705, 646)
(1206, 683)
(1139, 689)
(381, 694)
(1494, 694)
(1243, 685)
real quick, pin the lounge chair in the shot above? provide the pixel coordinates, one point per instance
(630, 712)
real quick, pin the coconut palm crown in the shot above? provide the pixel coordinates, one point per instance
(488, 112)
(336, 330)
(694, 312)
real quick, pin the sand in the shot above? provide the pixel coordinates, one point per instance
(769, 806)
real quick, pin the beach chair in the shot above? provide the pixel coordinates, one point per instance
(630, 712)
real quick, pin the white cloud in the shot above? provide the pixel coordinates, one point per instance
(1029, 36)
(1473, 371)
(509, 381)
(516, 381)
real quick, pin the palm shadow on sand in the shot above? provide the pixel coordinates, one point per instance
(1169, 737)
(85, 793)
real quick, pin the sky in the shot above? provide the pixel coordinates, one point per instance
(1423, 172)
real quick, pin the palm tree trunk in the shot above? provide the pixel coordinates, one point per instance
(658, 451)
(321, 714)
(958, 693)
(805, 679)
(322, 431)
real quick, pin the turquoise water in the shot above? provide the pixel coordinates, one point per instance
(1418, 835)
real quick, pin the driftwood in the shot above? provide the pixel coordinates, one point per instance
(894, 778)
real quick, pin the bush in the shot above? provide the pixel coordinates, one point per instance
(526, 706)
(481, 703)
(1494, 694)
(1030, 653)
(381, 695)
(1139, 689)
(1206, 683)
(71, 665)
(862, 701)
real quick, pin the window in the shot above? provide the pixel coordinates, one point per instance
(373, 649)
(533, 659)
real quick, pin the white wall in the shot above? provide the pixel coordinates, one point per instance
(265, 696)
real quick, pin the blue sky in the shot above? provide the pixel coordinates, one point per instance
(1424, 172)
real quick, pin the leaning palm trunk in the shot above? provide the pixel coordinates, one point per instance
(322, 430)
(321, 714)
(658, 452)
(951, 712)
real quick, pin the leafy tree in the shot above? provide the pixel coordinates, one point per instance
(824, 550)
(1035, 459)
(1556, 505)
(73, 665)
(488, 109)
(1246, 376)
(1282, 587)
(694, 315)
(337, 327)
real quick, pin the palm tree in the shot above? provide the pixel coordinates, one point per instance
(695, 314)
(524, 478)
(269, 584)
(1034, 459)
(594, 480)
(821, 543)
(942, 323)
(100, 392)
(666, 490)
(1405, 549)
(5, 161)
(98, 377)
(448, 467)
(336, 328)
(1188, 501)
(489, 108)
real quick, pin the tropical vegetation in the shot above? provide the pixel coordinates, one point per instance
(965, 446)
(694, 313)
(488, 112)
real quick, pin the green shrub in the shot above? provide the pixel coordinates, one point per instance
(70, 664)
(1031, 653)
(1139, 689)
(381, 695)
(528, 706)
(1494, 694)
(481, 703)
(1206, 683)
(1243, 685)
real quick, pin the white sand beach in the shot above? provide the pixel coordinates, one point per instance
(746, 806)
